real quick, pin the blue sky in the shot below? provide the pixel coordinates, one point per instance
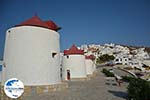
(84, 21)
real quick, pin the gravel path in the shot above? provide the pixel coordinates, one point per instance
(98, 88)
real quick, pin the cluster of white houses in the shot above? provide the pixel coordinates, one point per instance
(32, 55)
(132, 57)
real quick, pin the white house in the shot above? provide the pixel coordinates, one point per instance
(120, 59)
(32, 53)
(136, 63)
(146, 62)
(90, 68)
(74, 63)
(107, 50)
(141, 54)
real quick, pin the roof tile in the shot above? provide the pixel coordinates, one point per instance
(36, 21)
(73, 50)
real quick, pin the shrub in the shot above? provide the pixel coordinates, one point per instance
(128, 68)
(107, 73)
(138, 89)
(104, 58)
(127, 78)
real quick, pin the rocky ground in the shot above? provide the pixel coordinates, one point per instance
(98, 88)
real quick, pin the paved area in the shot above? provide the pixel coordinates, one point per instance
(122, 72)
(119, 72)
(98, 88)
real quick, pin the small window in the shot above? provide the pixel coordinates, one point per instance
(8, 31)
(129, 58)
(67, 57)
(120, 59)
(117, 59)
(53, 54)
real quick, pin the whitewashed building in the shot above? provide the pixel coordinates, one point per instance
(146, 62)
(136, 63)
(141, 54)
(32, 53)
(121, 59)
(89, 61)
(74, 63)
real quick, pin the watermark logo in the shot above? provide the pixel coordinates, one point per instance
(13, 88)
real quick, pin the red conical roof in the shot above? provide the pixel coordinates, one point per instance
(36, 21)
(73, 50)
(52, 25)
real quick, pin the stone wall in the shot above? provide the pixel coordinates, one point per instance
(28, 90)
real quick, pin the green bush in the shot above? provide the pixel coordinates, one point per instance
(127, 78)
(107, 73)
(138, 89)
(104, 58)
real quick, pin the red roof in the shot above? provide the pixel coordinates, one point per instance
(92, 57)
(73, 50)
(52, 25)
(36, 21)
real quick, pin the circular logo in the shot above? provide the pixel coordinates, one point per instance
(13, 88)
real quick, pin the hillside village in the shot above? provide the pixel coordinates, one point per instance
(129, 57)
